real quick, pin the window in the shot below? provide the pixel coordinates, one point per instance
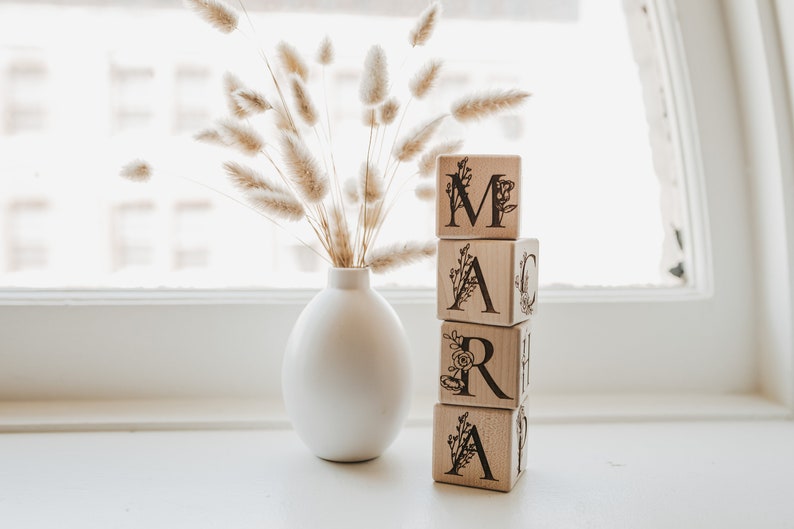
(699, 336)
(192, 90)
(26, 86)
(595, 153)
(133, 96)
(134, 236)
(191, 242)
(28, 234)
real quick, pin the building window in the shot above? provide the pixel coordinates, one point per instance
(133, 234)
(28, 234)
(26, 85)
(192, 93)
(191, 246)
(132, 98)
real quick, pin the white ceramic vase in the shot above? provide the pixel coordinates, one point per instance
(346, 376)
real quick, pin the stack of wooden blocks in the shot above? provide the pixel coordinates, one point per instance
(487, 288)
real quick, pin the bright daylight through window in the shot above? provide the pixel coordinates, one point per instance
(87, 85)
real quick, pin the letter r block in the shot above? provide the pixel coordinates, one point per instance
(479, 447)
(484, 365)
(478, 196)
(487, 281)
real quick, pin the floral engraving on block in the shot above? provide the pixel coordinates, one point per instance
(521, 430)
(464, 283)
(461, 452)
(522, 284)
(502, 189)
(458, 193)
(525, 362)
(462, 361)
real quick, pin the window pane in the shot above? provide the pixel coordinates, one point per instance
(133, 234)
(27, 236)
(602, 189)
(26, 83)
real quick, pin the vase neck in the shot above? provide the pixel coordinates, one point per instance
(348, 278)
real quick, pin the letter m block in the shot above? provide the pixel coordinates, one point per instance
(478, 196)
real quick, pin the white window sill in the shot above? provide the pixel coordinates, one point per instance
(225, 414)
(705, 474)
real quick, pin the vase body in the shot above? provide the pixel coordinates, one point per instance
(346, 378)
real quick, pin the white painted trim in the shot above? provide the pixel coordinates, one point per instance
(111, 297)
(762, 77)
(686, 142)
(236, 414)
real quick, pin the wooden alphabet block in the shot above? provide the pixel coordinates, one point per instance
(478, 196)
(484, 281)
(484, 365)
(479, 447)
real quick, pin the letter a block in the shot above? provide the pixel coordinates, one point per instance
(479, 447)
(478, 196)
(490, 282)
(484, 365)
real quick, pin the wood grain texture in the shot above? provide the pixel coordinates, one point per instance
(478, 196)
(484, 365)
(479, 447)
(487, 281)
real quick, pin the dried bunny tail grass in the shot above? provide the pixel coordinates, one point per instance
(291, 60)
(421, 83)
(369, 117)
(476, 107)
(425, 25)
(372, 219)
(282, 122)
(231, 85)
(425, 191)
(245, 138)
(370, 183)
(247, 179)
(281, 205)
(415, 141)
(427, 163)
(216, 13)
(388, 111)
(350, 191)
(325, 53)
(250, 102)
(210, 136)
(340, 238)
(375, 79)
(400, 254)
(137, 171)
(303, 168)
(303, 102)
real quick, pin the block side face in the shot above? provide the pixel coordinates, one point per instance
(519, 443)
(478, 196)
(481, 365)
(524, 359)
(475, 282)
(524, 291)
(473, 446)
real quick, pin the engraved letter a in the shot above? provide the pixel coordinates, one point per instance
(470, 446)
(461, 294)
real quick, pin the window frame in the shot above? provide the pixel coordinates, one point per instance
(178, 344)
